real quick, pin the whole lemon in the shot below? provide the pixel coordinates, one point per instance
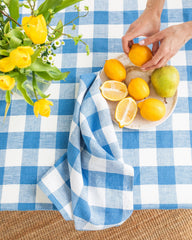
(152, 109)
(115, 70)
(138, 89)
(139, 55)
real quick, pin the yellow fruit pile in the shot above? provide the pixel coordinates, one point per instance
(126, 110)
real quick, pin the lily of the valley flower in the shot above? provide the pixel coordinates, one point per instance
(6, 65)
(21, 56)
(42, 107)
(6, 82)
(35, 28)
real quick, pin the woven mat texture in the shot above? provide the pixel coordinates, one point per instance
(142, 225)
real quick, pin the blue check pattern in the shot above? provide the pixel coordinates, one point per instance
(161, 157)
(91, 184)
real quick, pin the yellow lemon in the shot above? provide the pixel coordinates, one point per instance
(126, 111)
(115, 70)
(138, 89)
(139, 55)
(152, 109)
(114, 90)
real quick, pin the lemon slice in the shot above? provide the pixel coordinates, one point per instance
(113, 90)
(126, 111)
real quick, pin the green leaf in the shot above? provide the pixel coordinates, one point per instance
(55, 6)
(76, 40)
(27, 42)
(20, 79)
(15, 33)
(13, 6)
(8, 102)
(8, 96)
(15, 42)
(39, 66)
(24, 5)
(36, 53)
(46, 71)
(3, 43)
(64, 4)
(58, 30)
(7, 27)
(4, 52)
(6, 110)
(53, 76)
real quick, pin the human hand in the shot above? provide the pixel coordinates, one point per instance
(146, 25)
(171, 40)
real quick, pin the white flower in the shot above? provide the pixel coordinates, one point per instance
(52, 35)
(49, 51)
(49, 47)
(39, 56)
(57, 43)
(52, 64)
(44, 59)
(62, 43)
(50, 58)
(35, 47)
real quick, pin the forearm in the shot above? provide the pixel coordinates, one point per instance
(155, 6)
(188, 30)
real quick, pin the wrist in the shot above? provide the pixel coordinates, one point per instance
(155, 7)
(154, 13)
(188, 29)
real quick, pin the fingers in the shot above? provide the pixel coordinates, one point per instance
(153, 39)
(154, 61)
(125, 44)
(155, 47)
(127, 39)
(160, 64)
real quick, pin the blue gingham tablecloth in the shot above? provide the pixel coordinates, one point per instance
(161, 157)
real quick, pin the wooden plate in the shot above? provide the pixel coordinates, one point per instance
(133, 72)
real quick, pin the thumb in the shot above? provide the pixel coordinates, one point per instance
(130, 35)
(150, 40)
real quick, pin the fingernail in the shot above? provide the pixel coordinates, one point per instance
(143, 69)
(142, 42)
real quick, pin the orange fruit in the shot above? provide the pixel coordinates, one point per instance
(138, 89)
(140, 54)
(115, 70)
(126, 111)
(152, 109)
(114, 90)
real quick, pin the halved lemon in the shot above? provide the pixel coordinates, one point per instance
(113, 90)
(126, 111)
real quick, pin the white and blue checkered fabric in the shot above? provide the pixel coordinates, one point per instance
(91, 184)
(161, 157)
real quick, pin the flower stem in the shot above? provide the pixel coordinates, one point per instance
(67, 35)
(12, 19)
(34, 85)
(79, 16)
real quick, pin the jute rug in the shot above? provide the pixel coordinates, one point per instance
(142, 225)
